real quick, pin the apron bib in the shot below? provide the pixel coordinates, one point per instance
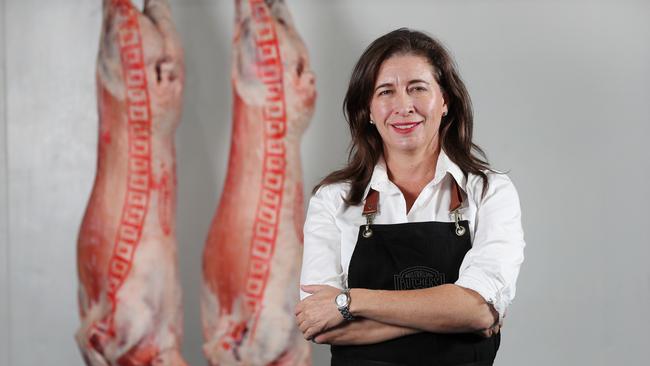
(406, 257)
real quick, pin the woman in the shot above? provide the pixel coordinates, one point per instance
(413, 249)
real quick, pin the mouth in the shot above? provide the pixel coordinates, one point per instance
(405, 127)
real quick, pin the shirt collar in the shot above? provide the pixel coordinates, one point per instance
(380, 182)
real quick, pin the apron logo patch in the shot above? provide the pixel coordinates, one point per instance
(418, 277)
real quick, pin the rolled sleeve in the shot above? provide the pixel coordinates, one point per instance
(491, 266)
(321, 260)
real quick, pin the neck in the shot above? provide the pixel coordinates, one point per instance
(412, 168)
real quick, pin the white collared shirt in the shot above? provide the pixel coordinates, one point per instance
(490, 267)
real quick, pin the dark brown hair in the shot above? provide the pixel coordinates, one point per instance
(366, 147)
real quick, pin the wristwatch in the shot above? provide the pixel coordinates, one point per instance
(342, 301)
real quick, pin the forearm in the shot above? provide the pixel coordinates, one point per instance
(441, 309)
(363, 331)
(385, 332)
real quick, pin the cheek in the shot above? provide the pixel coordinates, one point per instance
(428, 106)
(379, 111)
(383, 131)
(381, 128)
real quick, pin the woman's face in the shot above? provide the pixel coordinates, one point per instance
(407, 104)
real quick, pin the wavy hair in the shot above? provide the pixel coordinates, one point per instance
(366, 146)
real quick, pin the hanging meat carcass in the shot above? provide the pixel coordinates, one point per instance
(251, 262)
(129, 293)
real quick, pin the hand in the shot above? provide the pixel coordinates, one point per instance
(318, 312)
(491, 331)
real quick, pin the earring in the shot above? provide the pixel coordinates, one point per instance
(444, 114)
(372, 122)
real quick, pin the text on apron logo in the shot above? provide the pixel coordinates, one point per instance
(418, 277)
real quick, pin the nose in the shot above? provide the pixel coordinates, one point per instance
(404, 104)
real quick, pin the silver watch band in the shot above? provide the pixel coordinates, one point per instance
(346, 313)
(345, 310)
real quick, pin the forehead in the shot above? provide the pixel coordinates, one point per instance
(402, 68)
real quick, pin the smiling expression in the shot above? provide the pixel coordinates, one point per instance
(407, 104)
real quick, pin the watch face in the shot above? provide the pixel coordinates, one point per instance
(341, 300)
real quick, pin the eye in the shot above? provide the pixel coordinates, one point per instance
(384, 92)
(417, 89)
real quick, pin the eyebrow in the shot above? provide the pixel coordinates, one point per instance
(414, 81)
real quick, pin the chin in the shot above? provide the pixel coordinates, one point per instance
(406, 148)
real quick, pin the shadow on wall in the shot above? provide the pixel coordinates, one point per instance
(203, 142)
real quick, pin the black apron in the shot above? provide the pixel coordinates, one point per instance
(412, 256)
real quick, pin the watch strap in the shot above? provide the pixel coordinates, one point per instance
(345, 310)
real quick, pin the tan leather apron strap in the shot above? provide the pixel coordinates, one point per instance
(456, 196)
(372, 201)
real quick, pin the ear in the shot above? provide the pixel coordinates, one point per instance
(445, 106)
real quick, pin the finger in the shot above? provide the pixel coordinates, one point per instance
(323, 337)
(303, 328)
(309, 333)
(305, 325)
(302, 323)
(332, 336)
(313, 331)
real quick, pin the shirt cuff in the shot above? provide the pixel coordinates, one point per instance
(333, 283)
(491, 296)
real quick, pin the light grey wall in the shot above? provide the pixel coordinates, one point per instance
(51, 132)
(4, 244)
(560, 90)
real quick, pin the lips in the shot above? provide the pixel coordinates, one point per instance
(404, 127)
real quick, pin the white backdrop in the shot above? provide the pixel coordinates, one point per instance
(561, 91)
